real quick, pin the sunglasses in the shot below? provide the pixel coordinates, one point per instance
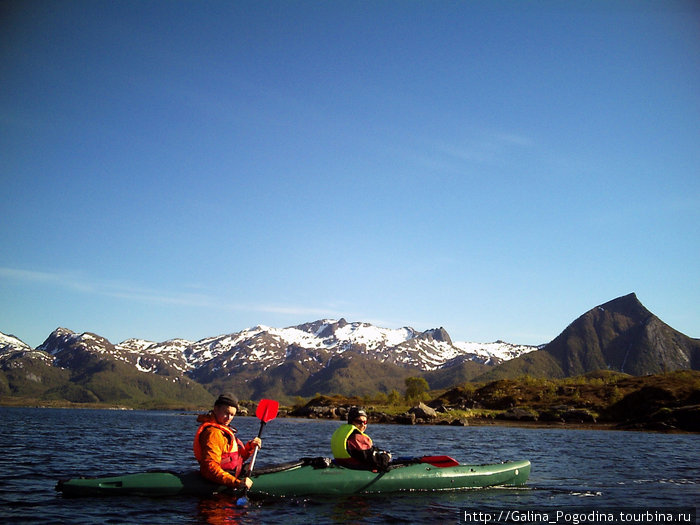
(361, 421)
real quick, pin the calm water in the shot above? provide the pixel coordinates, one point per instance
(585, 469)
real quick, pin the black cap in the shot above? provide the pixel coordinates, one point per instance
(228, 399)
(354, 413)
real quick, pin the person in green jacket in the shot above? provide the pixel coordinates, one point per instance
(353, 448)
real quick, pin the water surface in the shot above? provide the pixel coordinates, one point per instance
(586, 469)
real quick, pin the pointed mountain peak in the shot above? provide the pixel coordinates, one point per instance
(62, 332)
(62, 338)
(627, 305)
(436, 334)
(621, 335)
(57, 338)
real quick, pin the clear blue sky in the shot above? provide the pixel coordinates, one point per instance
(190, 169)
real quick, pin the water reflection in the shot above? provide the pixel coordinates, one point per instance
(220, 510)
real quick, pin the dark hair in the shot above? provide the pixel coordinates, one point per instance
(228, 399)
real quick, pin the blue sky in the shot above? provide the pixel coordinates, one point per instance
(189, 169)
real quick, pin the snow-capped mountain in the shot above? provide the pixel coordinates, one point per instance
(12, 348)
(267, 346)
(9, 343)
(67, 347)
(325, 355)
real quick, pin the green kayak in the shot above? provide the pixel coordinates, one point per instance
(306, 478)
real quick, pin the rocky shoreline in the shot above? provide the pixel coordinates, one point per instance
(682, 419)
(420, 414)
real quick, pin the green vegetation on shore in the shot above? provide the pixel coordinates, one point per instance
(668, 401)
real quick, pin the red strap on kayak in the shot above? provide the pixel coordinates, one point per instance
(440, 461)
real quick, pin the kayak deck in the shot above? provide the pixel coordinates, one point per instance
(302, 479)
(334, 480)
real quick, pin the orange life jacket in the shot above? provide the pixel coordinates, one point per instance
(231, 459)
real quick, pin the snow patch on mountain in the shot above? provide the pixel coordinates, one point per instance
(13, 349)
(11, 343)
(494, 353)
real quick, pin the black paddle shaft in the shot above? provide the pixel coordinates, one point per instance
(255, 454)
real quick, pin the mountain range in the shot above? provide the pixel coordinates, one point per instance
(329, 356)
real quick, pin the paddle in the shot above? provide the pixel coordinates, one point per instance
(440, 461)
(266, 411)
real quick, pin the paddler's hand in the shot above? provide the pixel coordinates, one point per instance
(257, 442)
(248, 483)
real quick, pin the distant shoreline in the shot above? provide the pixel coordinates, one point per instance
(471, 422)
(483, 422)
(534, 425)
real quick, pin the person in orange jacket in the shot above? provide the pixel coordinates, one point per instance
(219, 452)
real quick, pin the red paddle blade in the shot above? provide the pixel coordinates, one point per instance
(267, 410)
(440, 461)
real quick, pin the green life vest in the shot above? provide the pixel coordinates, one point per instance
(339, 440)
